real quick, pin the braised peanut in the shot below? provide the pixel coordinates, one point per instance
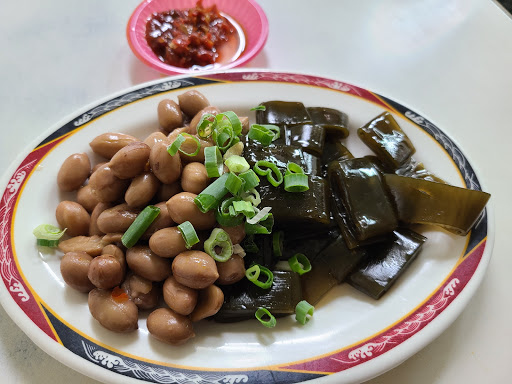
(194, 269)
(142, 292)
(105, 272)
(194, 178)
(74, 217)
(163, 220)
(74, 267)
(143, 262)
(169, 115)
(93, 245)
(98, 209)
(141, 190)
(106, 186)
(208, 303)
(156, 137)
(166, 191)
(199, 115)
(167, 242)
(180, 298)
(117, 218)
(236, 233)
(169, 326)
(115, 251)
(118, 315)
(231, 271)
(86, 198)
(191, 102)
(182, 208)
(130, 161)
(166, 168)
(73, 172)
(108, 144)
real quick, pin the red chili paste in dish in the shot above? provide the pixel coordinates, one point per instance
(192, 37)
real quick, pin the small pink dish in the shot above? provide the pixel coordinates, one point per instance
(246, 15)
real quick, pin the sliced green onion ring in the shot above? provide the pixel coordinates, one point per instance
(233, 119)
(250, 179)
(299, 263)
(244, 207)
(211, 196)
(238, 250)
(47, 243)
(236, 149)
(206, 126)
(261, 313)
(139, 225)
(233, 184)
(254, 272)
(266, 168)
(261, 134)
(172, 149)
(277, 243)
(259, 108)
(252, 195)
(223, 136)
(303, 312)
(48, 232)
(213, 161)
(195, 139)
(237, 164)
(293, 168)
(189, 234)
(260, 215)
(219, 238)
(223, 216)
(264, 227)
(296, 182)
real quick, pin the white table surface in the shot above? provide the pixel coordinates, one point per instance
(448, 59)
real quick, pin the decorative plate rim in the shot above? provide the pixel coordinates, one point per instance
(451, 306)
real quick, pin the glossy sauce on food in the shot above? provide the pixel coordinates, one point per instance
(196, 38)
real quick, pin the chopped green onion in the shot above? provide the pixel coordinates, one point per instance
(236, 149)
(299, 263)
(48, 232)
(264, 227)
(195, 139)
(238, 250)
(211, 196)
(219, 238)
(263, 167)
(176, 144)
(206, 125)
(253, 196)
(213, 161)
(189, 234)
(293, 168)
(260, 215)
(261, 313)
(249, 244)
(261, 134)
(223, 136)
(233, 183)
(303, 312)
(296, 182)
(250, 179)
(259, 108)
(47, 243)
(223, 216)
(244, 207)
(277, 243)
(253, 273)
(233, 119)
(139, 225)
(237, 164)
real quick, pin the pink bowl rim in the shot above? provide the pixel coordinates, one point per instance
(145, 54)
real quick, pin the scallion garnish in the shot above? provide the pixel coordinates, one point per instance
(189, 234)
(223, 135)
(260, 215)
(253, 273)
(206, 125)
(252, 195)
(213, 161)
(294, 179)
(250, 179)
(264, 227)
(259, 108)
(264, 134)
(261, 313)
(277, 243)
(176, 144)
(237, 164)
(211, 196)
(266, 168)
(244, 207)
(236, 149)
(223, 215)
(299, 263)
(233, 119)
(303, 312)
(139, 225)
(249, 244)
(233, 183)
(219, 238)
(48, 235)
(238, 250)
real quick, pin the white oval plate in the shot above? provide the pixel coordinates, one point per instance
(351, 338)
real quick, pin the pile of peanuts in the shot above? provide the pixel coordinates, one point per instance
(110, 195)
